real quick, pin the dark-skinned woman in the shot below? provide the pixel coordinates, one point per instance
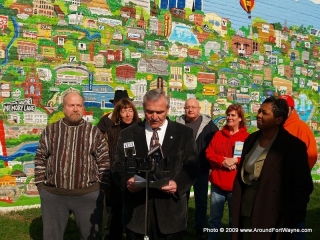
(272, 186)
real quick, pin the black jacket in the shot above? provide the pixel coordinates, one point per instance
(171, 211)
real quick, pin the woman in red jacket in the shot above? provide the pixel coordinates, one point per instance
(223, 159)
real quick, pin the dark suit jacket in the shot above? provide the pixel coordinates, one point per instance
(284, 188)
(105, 123)
(170, 210)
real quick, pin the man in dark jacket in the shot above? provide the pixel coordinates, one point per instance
(167, 205)
(203, 131)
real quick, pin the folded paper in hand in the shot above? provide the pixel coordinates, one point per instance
(142, 182)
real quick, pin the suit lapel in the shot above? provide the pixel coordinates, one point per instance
(169, 138)
(246, 153)
(274, 156)
(140, 140)
(248, 147)
(141, 143)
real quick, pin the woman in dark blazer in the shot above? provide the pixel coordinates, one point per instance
(273, 184)
(124, 115)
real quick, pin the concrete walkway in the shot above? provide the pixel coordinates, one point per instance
(17, 208)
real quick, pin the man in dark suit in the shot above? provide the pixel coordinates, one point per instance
(167, 206)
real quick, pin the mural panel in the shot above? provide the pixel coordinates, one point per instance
(211, 50)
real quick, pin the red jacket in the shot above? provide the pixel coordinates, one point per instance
(221, 146)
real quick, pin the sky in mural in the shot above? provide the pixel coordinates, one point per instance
(294, 12)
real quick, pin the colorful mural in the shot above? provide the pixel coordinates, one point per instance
(202, 48)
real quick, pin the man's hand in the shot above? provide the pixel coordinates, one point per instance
(131, 187)
(171, 188)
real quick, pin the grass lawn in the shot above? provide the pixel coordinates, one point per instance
(27, 224)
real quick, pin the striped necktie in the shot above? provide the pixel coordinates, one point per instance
(154, 139)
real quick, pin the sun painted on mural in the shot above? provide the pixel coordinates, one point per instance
(220, 52)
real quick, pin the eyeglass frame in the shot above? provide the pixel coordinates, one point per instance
(190, 107)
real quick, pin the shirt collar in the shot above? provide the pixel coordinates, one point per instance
(163, 126)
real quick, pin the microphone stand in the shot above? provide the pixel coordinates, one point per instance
(147, 170)
(154, 157)
(146, 208)
(146, 165)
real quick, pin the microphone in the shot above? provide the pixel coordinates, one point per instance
(156, 153)
(131, 163)
(158, 162)
(153, 157)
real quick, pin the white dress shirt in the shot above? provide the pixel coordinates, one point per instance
(161, 132)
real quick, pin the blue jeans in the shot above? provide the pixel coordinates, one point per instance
(201, 198)
(218, 198)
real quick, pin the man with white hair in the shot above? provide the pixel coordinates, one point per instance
(167, 206)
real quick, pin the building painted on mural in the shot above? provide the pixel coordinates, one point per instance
(95, 47)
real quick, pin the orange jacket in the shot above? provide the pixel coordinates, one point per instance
(301, 130)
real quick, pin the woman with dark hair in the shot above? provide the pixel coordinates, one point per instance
(273, 184)
(124, 115)
(220, 154)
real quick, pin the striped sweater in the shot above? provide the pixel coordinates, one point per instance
(71, 159)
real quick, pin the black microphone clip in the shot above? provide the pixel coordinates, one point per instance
(130, 152)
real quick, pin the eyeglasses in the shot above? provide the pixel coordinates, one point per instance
(190, 108)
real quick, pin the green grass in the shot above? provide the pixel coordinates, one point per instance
(27, 224)
(22, 201)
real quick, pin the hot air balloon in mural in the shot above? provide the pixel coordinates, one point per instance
(248, 6)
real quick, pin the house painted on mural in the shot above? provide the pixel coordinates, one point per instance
(33, 87)
(244, 47)
(178, 51)
(37, 117)
(206, 78)
(26, 49)
(125, 73)
(22, 8)
(99, 7)
(155, 26)
(139, 88)
(98, 95)
(153, 65)
(103, 75)
(219, 24)
(176, 107)
(43, 8)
